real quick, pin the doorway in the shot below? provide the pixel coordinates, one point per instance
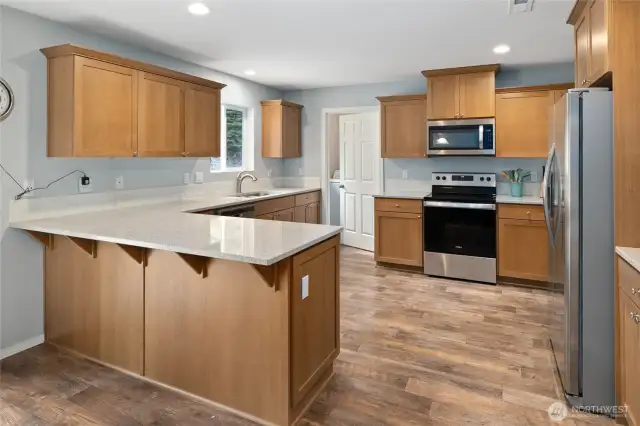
(352, 171)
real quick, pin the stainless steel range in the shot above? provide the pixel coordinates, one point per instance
(460, 227)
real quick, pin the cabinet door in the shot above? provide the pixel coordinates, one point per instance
(443, 97)
(523, 250)
(398, 238)
(284, 215)
(522, 124)
(403, 129)
(477, 95)
(300, 214)
(629, 353)
(291, 142)
(582, 52)
(314, 334)
(313, 213)
(161, 116)
(598, 39)
(202, 121)
(106, 103)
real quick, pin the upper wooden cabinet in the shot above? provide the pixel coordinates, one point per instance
(459, 93)
(281, 129)
(523, 120)
(403, 126)
(591, 21)
(102, 105)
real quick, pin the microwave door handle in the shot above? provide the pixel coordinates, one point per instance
(546, 200)
(481, 136)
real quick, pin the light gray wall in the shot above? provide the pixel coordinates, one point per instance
(365, 95)
(23, 153)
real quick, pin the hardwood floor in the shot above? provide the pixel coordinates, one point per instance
(415, 351)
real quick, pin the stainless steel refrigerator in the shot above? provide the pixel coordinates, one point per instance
(578, 206)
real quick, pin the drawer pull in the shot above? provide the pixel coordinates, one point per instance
(634, 291)
(397, 205)
(634, 317)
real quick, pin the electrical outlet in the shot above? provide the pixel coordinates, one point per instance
(199, 177)
(269, 172)
(119, 182)
(186, 178)
(28, 184)
(86, 186)
(301, 171)
(534, 176)
(405, 174)
(305, 287)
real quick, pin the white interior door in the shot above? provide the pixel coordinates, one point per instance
(360, 177)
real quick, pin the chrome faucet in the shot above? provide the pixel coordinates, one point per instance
(242, 176)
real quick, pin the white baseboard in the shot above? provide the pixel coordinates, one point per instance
(22, 346)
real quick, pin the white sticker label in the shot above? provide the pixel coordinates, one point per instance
(305, 287)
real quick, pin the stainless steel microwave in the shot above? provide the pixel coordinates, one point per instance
(461, 137)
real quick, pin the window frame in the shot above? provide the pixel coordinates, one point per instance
(247, 140)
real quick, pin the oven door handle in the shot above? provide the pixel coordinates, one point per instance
(471, 206)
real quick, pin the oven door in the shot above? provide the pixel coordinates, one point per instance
(460, 240)
(461, 137)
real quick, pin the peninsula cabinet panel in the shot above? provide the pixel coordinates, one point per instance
(223, 337)
(398, 238)
(314, 325)
(94, 306)
(92, 108)
(403, 126)
(522, 124)
(281, 129)
(523, 249)
(202, 121)
(629, 352)
(161, 117)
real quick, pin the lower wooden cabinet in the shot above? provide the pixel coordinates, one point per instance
(523, 250)
(303, 208)
(309, 213)
(398, 235)
(628, 341)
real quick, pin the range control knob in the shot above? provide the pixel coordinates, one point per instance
(444, 178)
(488, 179)
(481, 179)
(437, 177)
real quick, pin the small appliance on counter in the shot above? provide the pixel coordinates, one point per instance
(460, 227)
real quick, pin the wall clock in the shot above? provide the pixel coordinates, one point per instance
(7, 99)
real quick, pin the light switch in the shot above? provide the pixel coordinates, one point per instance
(199, 177)
(305, 287)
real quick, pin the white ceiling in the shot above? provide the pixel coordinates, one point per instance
(294, 44)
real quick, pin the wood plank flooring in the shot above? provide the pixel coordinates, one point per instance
(415, 351)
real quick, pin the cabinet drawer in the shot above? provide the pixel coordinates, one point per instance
(274, 205)
(308, 198)
(398, 205)
(629, 280)
(520, 211)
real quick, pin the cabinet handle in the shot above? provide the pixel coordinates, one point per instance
(634, 317)
(634, 291)
(419, 216)
(398, 205)
(425, 154)
(135, 154)
(461, 115)
(184, 154)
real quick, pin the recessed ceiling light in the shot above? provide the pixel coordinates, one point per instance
(501, 49)
(250, 72)
(198, 9)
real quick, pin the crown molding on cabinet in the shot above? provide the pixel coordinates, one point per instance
(281, 102)
(70, 49)
(576, 12)
(559, 86)
(462, 70)
(416, 97)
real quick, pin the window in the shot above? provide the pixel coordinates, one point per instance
(236, 153)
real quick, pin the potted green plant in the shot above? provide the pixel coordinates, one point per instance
(516, 178)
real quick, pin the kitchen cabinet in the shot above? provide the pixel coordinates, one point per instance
(102, 105)
(523, 250)
(628, 340)
(591, 21)
(460, 93)
(302, 208)
(160, 116)
(281, 129)
(403, 126)
(399, 232)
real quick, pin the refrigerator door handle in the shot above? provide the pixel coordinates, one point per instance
(546, 201)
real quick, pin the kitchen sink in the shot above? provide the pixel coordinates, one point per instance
(252, 194)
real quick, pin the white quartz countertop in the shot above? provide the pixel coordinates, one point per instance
(413, 195)
(631, 255)
(527, 199)
(170, 226)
